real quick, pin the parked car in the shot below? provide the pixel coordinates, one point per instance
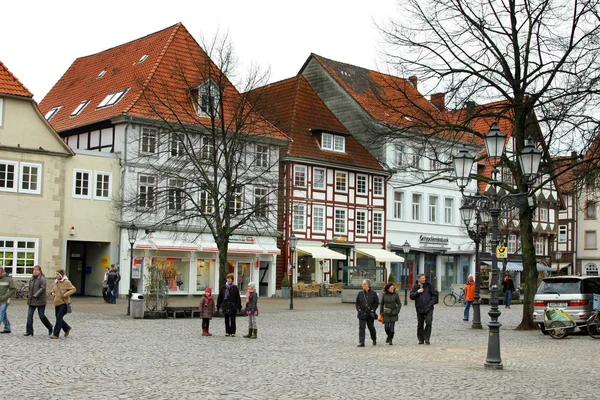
(574, 294)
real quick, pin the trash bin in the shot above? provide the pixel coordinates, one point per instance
(137, 305)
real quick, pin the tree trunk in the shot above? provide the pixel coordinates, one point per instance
(529, 278)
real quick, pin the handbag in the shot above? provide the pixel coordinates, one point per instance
(69, 305)
(380, 319)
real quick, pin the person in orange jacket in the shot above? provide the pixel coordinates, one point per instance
(469, 296)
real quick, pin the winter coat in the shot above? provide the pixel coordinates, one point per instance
(424, 301)
(67, 289)
(7, 288)
(37, 291)
(113, 278)
(233, 303)
(207, 309)
(508, 285)
(252, 304)
(390, 306)
(366, 303)
(470, 291)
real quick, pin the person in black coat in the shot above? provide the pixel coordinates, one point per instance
(230, 302)
(425, 296)
(36, 298)
(366, 307)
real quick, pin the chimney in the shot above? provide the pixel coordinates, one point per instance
(439, 100)
(470, 108)
(413, 80)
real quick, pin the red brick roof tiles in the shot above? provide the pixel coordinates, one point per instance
(9, 84)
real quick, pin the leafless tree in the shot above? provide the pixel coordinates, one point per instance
(533, 63)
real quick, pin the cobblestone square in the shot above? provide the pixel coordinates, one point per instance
(306, 353)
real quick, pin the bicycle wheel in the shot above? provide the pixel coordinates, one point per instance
(593, 326)
(557, 329)
(450, 300)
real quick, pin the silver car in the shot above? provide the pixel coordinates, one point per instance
(574, 294)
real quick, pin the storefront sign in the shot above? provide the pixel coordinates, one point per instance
(340, 239)
(239, 239)
(105, 262)
(433, 239)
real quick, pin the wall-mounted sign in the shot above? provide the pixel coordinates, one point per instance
(340, 239)
(433, 239)
(241, 239)
(105, 262)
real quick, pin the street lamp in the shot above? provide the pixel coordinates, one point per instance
(406, 250)
(132, 232)
(494, 203)
(558, 256)
(477, 235)
(293, 242)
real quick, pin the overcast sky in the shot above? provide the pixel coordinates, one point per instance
(40, 38)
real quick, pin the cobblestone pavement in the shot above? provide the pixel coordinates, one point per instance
(306, 353)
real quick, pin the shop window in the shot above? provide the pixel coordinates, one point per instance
(205, 273)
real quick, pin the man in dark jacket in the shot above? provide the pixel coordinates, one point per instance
(36, 298)
(112, 279)
(425, 296)
(366, 307)
(7, 290)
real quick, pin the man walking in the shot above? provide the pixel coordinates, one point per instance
(112, 279)
(425, 296)
(7, 290)
(509, 287)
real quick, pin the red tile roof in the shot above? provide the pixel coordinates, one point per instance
(294, 107)
(159, 86)
(9, 84)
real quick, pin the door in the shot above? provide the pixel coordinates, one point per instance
(263, 279)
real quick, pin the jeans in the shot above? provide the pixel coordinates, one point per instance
(467, 308)
(41, 314)
(424, 333)
(60, 312)
(112, 294)
(361, 330)
(4, 317)
(251, 321)
(507, 298)
(105, 294)
(230, 324)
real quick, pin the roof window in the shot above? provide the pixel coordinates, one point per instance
(112, 98)
(52, 113)
(80, 108)
(143, 58)
(101, 74)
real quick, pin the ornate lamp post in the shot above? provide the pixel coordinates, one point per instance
(293, 242)
(558, 256)
(494, 203)
(406, 250)
(132, 232)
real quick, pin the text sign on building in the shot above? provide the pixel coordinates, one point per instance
(433, 239)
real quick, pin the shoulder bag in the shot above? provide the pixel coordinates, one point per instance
(69, 306)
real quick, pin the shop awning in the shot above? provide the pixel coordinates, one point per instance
(518, 266)
(321, 252)
(380, 255)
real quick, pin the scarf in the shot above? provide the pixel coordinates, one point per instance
(227, 287)
(208, 299)
(249, 291)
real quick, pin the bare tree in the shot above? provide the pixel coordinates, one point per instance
(208, 162)
(531, 63)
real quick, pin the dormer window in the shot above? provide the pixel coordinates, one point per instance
(101, 74)
(50, 114)
(112, 98)
(79, 108)
(333, 143)
(208, 100)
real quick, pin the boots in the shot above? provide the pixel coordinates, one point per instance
(390, 337)
(249, 335)
(205, 332)
(387, 332)
(253, 334)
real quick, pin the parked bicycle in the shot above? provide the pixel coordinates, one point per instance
(451, 298)
(22, 290)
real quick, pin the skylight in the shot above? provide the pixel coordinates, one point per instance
(101, 74)
(80, 108)
(52, 113)
(112, 98)
(143, 58)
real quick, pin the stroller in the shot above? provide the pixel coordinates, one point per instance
(558, 323)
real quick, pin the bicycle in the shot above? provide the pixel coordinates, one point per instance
(451, 298)
(22, 290)
(593, 322)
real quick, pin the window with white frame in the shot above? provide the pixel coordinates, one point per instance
(591, 269)
(300, 175)
(415, 157)
(82, 183)
(377, 223)
(361, 184)
(590, 240)
(543, 214)
(433, 207)
(9, 175)
(207, 148)
(416, 207)
(206, 202)
(235, 207)
(319, 178)
(112, 98)
(361, 222)
(340, 219)
(31, 178)
(50, 114)
(512, 243)
(539, 246)
(146, 191)
(562, 234)
(399, 154)
(176, 195)
(262, 156)
(102, 185)
(318, 218)
(299, 216)
(177, 145)
(149, 140)
(79, 108)
(327, 141)
(1, 111)
(448, 210)
(398, 204)
(261, 204)
(339, 144)
(333, 143)
(377, 186)
(18, 256)
(208, 100)
(341, 181)
(590, 210)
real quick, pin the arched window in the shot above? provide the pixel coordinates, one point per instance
(591, 269)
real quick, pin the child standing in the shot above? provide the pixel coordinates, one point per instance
(207, 310)
(251, 309)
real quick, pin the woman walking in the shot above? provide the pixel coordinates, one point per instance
(207, 310)
(36, 298)
(62, 291)
(251, 310)
(390, 307)
(366, 310)
(230, 302)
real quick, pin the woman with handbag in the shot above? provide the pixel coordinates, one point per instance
(62, 291)
(366, 308)
(390, 308)
(36, 298)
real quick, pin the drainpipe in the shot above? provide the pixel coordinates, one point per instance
(124, 162)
